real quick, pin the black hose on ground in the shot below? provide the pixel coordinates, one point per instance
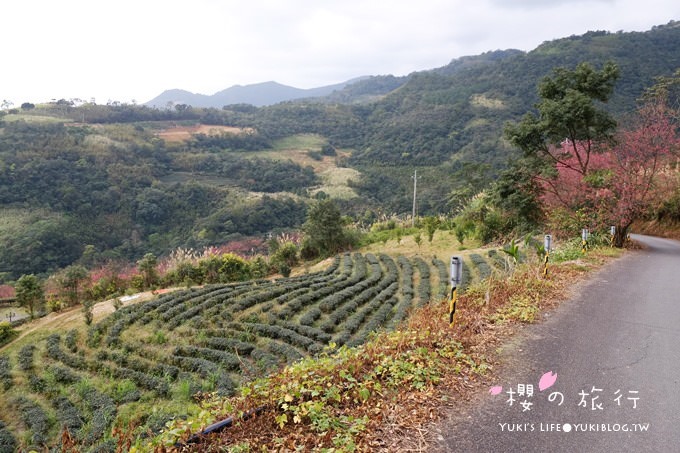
(220, 426)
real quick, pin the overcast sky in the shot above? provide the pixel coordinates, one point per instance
(129, 50)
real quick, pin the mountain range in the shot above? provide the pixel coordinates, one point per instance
(642, 55)
(258, 94)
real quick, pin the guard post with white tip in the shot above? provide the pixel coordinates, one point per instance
(456, 280)
(547, 245)
(585, 234)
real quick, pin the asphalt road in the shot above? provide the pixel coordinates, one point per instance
(615, 348)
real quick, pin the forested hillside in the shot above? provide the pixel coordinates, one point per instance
(125, 192)
(73, 174)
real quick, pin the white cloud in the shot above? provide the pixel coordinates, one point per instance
(128, 49)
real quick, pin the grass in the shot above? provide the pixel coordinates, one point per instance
(305, 142)
(335, 182)
(14, 219)
(33, 118)
(444, 244)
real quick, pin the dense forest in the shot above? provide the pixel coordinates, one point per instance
(77, 174)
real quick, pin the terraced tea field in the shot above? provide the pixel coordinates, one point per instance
(153, 356)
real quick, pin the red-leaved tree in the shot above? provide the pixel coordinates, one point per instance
(622, 179)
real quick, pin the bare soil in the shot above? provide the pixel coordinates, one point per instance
(184, 133)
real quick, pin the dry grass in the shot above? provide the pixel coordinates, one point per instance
(481, 100)
(183, 133)
(444, 244)
(335, 182)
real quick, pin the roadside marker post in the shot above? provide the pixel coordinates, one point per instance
(585, 234)
(456, 280)
(547, 245)
(612, 233)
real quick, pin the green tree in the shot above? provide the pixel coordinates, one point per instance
(286, 256)
(324, 228)
(418, 238)
(210, 268)
(259, 267)
(70, 281)
(431, 224)
(233, 268)
(147, 266)
(570, 112)
(30, 293)
(88, 305)
(570, 108)
(6, 334)
(516, 192)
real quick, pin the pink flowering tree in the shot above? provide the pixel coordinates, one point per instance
(622, 179)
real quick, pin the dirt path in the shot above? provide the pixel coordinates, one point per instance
(73, 316)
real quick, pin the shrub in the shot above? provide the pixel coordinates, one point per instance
(25, 357)
(38, 384)
(328, 150)
(103, 410)
(87, 311)
(71, 340)
(286, 255)
(63, 375)
(68, 414)
(35, 418)
(482, 266)
(5, 372)
(54, 305)
(7, 441)
(7, 333)
(125, 391)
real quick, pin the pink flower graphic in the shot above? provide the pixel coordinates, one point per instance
(547, 380)
(496, 390)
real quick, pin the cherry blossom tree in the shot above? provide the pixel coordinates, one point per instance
(623, 179)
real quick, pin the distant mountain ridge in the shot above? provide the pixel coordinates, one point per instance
(258, 94)
(488, 68)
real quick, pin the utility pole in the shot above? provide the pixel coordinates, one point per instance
(415, 185)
